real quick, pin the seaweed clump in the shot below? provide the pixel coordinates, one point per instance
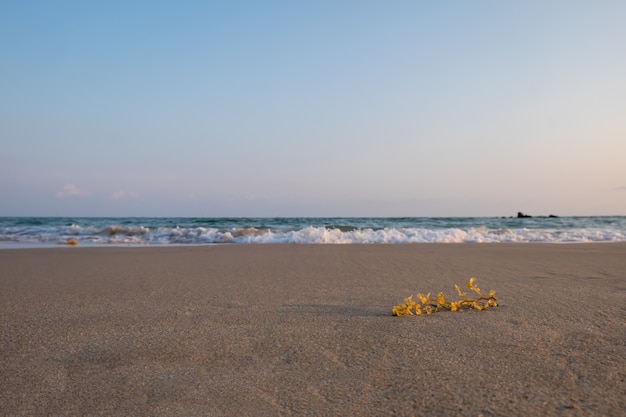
(428, 305)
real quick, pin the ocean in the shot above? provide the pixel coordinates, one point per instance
(170, 231)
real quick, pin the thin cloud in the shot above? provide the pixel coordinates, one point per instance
(71, 190)
(118, 195)
(620, 188)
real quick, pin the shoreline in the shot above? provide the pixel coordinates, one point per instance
(175, 231)
(306, 329)
(61, 245)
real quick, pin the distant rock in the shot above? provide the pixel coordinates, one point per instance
(521, 215)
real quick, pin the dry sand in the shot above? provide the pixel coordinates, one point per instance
(264, 330)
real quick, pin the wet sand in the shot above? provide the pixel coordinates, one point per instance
(264, 330)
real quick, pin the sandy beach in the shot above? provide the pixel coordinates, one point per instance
(265, 330)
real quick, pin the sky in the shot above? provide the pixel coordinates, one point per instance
(312, 108)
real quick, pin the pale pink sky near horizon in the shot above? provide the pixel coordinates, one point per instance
(343, 108)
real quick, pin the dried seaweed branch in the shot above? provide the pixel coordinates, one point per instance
(428, 305)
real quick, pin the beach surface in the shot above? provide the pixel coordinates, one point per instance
(272, 330)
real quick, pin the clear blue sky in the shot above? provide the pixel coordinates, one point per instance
(312, 108)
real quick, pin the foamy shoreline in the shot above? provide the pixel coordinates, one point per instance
(198, 231)
(307, 330)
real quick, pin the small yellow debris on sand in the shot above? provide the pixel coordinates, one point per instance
(428, 305)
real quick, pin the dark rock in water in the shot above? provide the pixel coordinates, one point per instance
(521, 215)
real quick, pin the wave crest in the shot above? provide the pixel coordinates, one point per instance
(287, 231)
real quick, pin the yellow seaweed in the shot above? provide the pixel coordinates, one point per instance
(428, 305)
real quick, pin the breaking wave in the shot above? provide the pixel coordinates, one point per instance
(152, 231)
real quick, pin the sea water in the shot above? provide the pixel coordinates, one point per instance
(151, 231)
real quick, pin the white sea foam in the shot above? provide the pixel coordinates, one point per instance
(323, 235)
(149, 231)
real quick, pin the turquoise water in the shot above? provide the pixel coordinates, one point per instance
(103, 231)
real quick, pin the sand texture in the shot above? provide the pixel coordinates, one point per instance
(273, 330)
